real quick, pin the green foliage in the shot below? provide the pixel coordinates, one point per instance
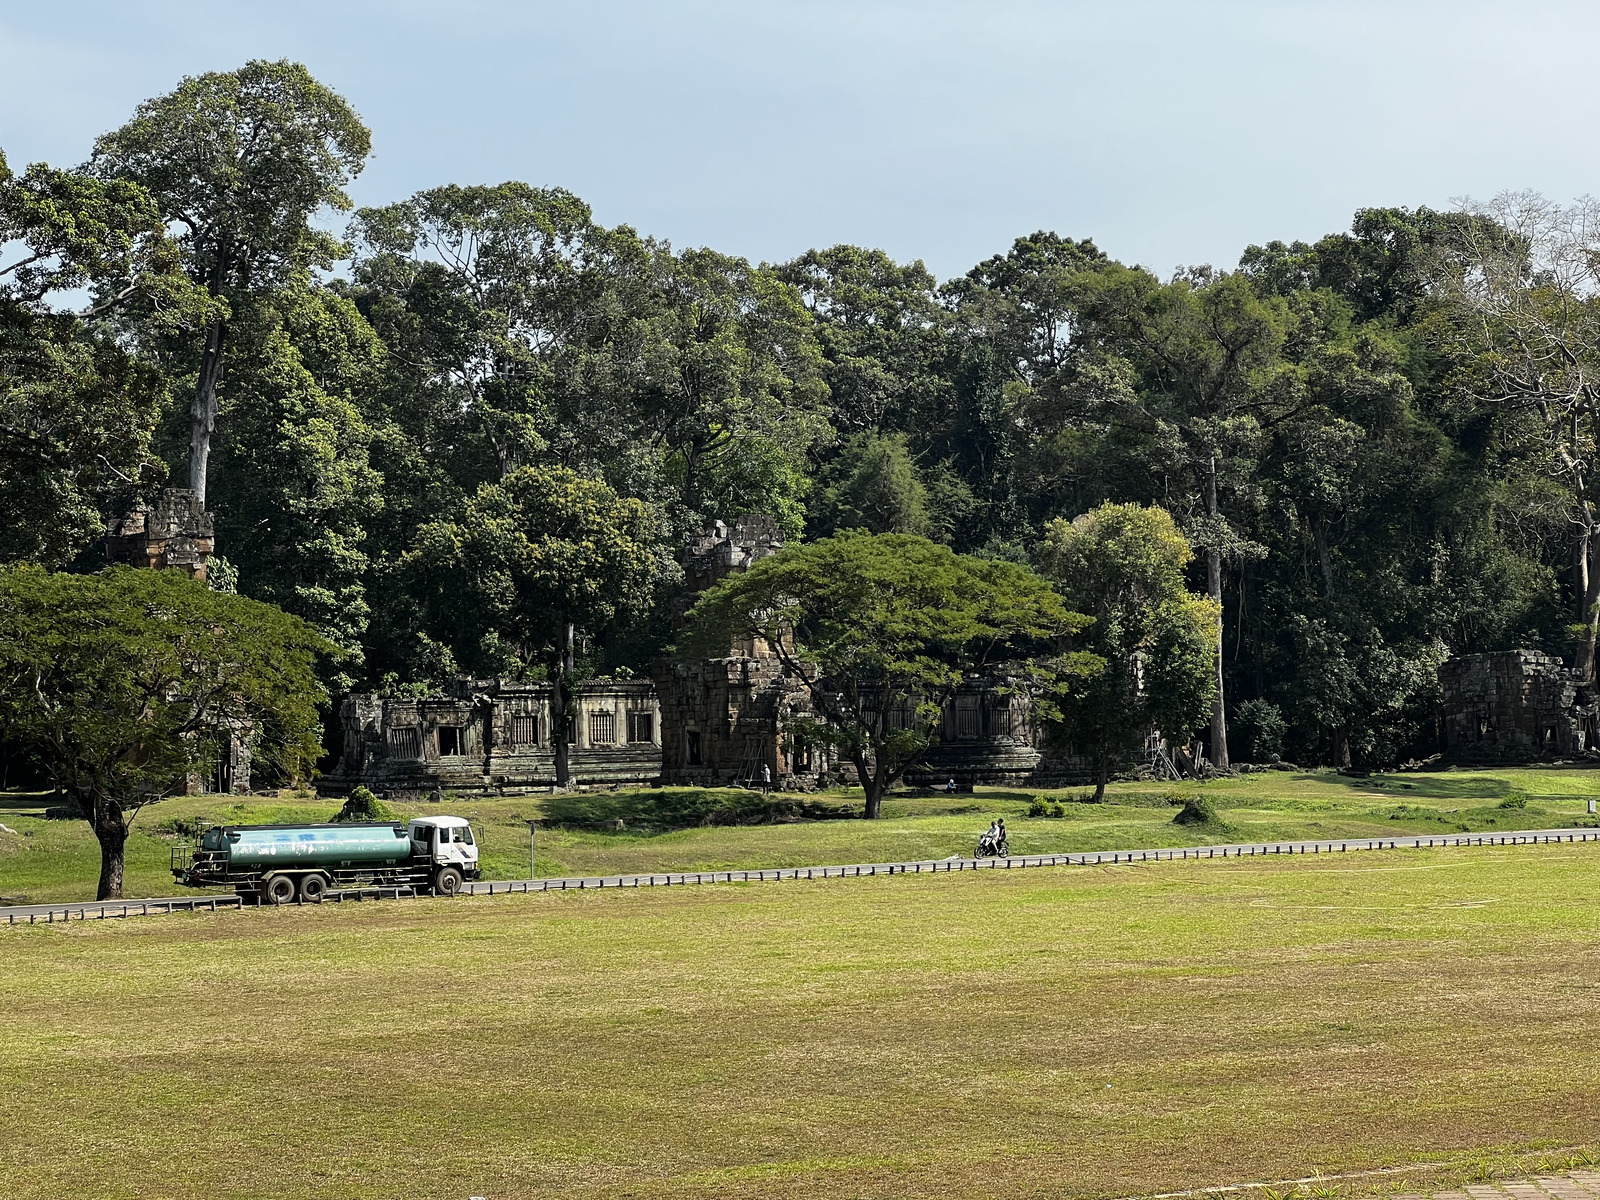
(363, 805)
(528, 556)
(1197, 810)
(883, 628)
(1123, 565)
(874, 485)
(1257, 728)
(121, 685)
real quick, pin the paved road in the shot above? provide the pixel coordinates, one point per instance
(50, 913)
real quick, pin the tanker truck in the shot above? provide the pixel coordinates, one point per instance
(276, 863)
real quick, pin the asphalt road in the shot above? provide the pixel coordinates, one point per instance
(101, 910)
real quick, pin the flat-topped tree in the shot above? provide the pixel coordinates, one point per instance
(239, 161)
(121, 686)
(882, 629)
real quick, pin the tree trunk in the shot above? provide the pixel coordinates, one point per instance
(1219, 719)
(203, 412)
(1341, 747)
(1586, 593)
(1102, 775)
(112, 832)
(563, 717)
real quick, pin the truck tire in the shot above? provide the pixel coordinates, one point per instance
(313, 888)
(447, 882)
(278, 890)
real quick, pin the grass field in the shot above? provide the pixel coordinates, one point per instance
(59, 860)
(1074, 1032)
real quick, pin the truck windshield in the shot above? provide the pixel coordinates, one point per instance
(464, 834)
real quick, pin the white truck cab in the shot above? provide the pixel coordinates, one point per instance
(449, 844)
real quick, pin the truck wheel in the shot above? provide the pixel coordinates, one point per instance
(313, 888)
(447, 882)
(278, 890)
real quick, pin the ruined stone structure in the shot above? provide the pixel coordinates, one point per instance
(711, 723)
(1515, 706)
(494, 736)
(176, 533)
(724, 719)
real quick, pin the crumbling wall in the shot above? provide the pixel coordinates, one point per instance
(177, 533)
(493, 736)
(1514, 706)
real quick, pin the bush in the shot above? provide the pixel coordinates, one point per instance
(1515, 800)
(362, 805)
(1197, 810)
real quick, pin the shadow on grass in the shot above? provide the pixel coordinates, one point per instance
(668, 809)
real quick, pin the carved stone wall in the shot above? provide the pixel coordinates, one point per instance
(492, 736)
(177, 533)
(1515, 706)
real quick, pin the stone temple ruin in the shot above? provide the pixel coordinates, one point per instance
(1516, 706)
(176, 533)
(714, 722)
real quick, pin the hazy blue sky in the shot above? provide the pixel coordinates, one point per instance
(1169, 132)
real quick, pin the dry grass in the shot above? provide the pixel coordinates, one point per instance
(1049, 1033)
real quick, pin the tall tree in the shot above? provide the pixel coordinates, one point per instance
(240, 161)
(77, 408)
(1525, 278)
(882, 629)
(122, 685)
(1123, 565)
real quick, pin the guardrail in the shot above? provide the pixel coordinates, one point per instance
(116, 909)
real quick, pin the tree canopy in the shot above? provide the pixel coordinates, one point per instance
(121, 686)
(883, 628)
(1377, 443)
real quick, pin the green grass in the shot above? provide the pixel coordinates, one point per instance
(1072, 1032)
(59, 860)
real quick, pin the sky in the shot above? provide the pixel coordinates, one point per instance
(1170, 133)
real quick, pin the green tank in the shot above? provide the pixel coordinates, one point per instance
(269, 847)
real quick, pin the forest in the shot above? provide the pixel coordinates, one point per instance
(1378, 444)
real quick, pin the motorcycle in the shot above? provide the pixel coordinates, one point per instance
(989, 847)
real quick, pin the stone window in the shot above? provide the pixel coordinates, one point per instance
(405, 742)
(641, 726)
(694, 747)
(524, 729)
(452, 740)
(968, 723)
(602, 729)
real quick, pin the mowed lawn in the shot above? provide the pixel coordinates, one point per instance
(45, 860)
(1063, 1032)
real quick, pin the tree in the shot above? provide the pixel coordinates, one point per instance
(1123, 565)
(531, 562)
(239, 161)
(882, 629)
(1525, 280)
(121, 685)
(873, 484)
(1205, 349)
(77, 409)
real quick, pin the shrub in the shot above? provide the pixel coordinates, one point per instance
(1197, 810)
(1515, 800)
(362, 805)
(1038, 807)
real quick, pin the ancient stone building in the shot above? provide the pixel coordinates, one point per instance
(724, 719)
(1515, 706)
(176, 534)
(495, 736)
